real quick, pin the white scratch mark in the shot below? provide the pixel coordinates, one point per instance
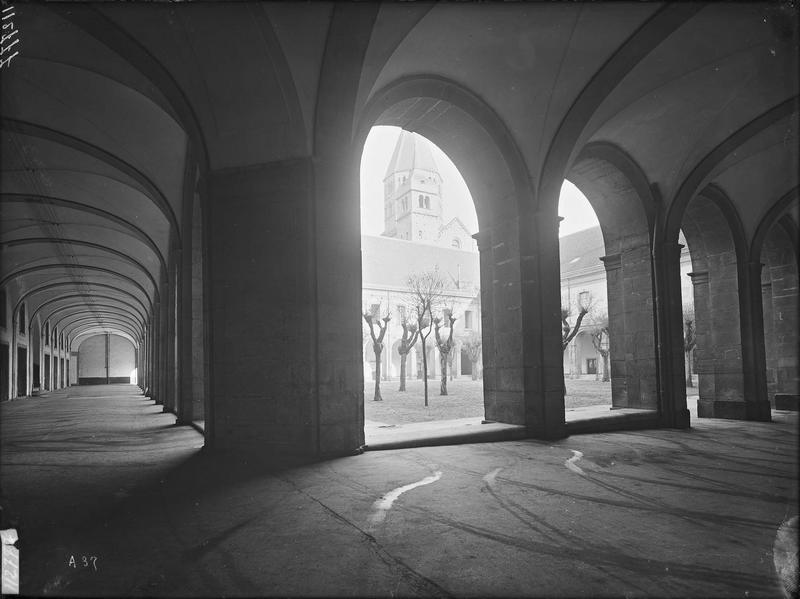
(489, 478)
(384, 504)
(570, 463)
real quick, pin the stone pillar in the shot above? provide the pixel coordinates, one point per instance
(669, 311)
(770, 347)
(754, 363)
(184, 332)
(785, 307)
(503, 381)
(484, 242)
(632, 357)
(264, 306)
(107, 356)
(540, 321)
(719, 342)
(617, 350)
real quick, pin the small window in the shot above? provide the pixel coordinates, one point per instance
(419, 234)
(428, 202)
(467, 319)
(22, 319)
(421, 201)
(375, 310)
(456, 243)
(584, 297)
(401, 312)
(447, 313)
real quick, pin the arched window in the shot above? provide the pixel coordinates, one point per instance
(456, 243)
(428, 202)
(421, 201)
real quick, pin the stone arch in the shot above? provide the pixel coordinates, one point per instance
(728, 376)
(482, 147)
(774, 249)
(622, 199)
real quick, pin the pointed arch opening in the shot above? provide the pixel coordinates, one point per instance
(417, 224)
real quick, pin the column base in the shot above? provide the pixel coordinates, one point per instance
(787, 401)
(678, 419)
(734, 410)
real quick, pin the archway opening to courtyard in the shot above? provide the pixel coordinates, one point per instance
(584, 304)
(715, 242)
(420, 287)
(611, 282)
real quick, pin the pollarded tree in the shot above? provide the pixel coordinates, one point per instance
(445, 347)
(407, 341)
(425, 293)
(472, 345)
(568, 331)
(373, 320)
(600, 340)
(689, 340)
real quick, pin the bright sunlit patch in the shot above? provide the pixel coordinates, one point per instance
(378, 149)
(576, 211)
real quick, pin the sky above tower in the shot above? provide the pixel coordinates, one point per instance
(457, 201)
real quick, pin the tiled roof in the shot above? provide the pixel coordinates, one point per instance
(387, 262)
(411, 152)
(581, 250)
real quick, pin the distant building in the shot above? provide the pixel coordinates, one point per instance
(416, 239)
(583, 282)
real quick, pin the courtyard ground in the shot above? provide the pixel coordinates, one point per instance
(464, 399)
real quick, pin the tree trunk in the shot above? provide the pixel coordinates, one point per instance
(425, 371)
(474, 370)
(689, 381)
(606, 377)
(377, 376)
(443, 364)
(403, 372)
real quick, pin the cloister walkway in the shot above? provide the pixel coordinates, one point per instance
(102, 472)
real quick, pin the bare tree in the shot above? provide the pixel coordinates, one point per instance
(373, 320)
(568, 331)
(600, 340)
(689, 340)
(451, 359)
(445, 347)
(472, 345)
(425, 292)
(407, 341)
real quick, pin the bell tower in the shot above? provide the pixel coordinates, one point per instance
(412, 191)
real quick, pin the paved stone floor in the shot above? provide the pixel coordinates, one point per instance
(102, 472)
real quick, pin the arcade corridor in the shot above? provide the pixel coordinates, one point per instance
(180, 210)
(100, 471)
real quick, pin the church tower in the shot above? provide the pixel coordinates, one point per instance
(412, 191)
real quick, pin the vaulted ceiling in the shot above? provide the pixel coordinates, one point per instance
(109, 108)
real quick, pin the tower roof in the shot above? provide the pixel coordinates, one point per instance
(411, 152)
